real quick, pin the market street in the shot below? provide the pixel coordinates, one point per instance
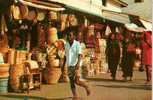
(102, 87)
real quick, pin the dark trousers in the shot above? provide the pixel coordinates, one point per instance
(148, 73)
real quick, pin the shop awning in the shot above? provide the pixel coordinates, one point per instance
(147, 24)
(133, 27)
(116, 16)
(143, 10)
(87, 7)
(84, 7)
(108, 15)
(43, 4)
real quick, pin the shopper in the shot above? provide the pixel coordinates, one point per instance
(113, 54)
(73, 61)
(128, 58)
(147, 54)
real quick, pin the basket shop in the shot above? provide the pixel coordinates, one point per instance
(32, 43)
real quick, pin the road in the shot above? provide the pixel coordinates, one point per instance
(102, 88)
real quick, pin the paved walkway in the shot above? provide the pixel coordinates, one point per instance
(103, 88)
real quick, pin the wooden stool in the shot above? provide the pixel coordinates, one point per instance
(30, 81)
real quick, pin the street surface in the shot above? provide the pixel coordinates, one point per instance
(102, 88)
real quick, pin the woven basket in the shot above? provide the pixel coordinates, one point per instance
(16, 71)
(52, 35)
(65, 77)
(11, 55)
(52, 75)
(4, 70)
(52, 15)
(64, 17)
(20, 56)
(54, 62)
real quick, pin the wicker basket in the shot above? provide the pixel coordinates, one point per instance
(52, 15)
(52, 35)
(16, 71)
(11, 55)
(64, 17)
(20, 56)
(54, 62)
(52, 75)
(65, 77)
(4, 70)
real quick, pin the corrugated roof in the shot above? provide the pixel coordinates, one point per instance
(129, 2)
(143, 10)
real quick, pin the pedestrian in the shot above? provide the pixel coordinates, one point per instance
(73, 61)
(128, 58)
(113, 54)
(147, 54)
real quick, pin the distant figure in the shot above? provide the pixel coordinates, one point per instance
(147, 54)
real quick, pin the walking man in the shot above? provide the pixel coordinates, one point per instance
(73, 61)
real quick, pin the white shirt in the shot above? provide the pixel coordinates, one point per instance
(72, 53)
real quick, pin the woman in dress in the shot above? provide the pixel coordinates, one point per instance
(147, 54)
(128, 58)
(113, 54)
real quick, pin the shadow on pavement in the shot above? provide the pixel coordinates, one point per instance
(105, 80)
(143, 87)
(25, 97)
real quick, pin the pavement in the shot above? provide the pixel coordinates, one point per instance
(102, 88)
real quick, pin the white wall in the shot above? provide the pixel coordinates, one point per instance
(112, 7)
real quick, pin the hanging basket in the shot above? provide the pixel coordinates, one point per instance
(52, 35)
(64, 17)
(52, 16)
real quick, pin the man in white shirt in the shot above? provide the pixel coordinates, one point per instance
(73, 61)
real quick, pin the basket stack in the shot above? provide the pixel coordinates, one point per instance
(20, 56)
(16, 71)
(4, 70)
